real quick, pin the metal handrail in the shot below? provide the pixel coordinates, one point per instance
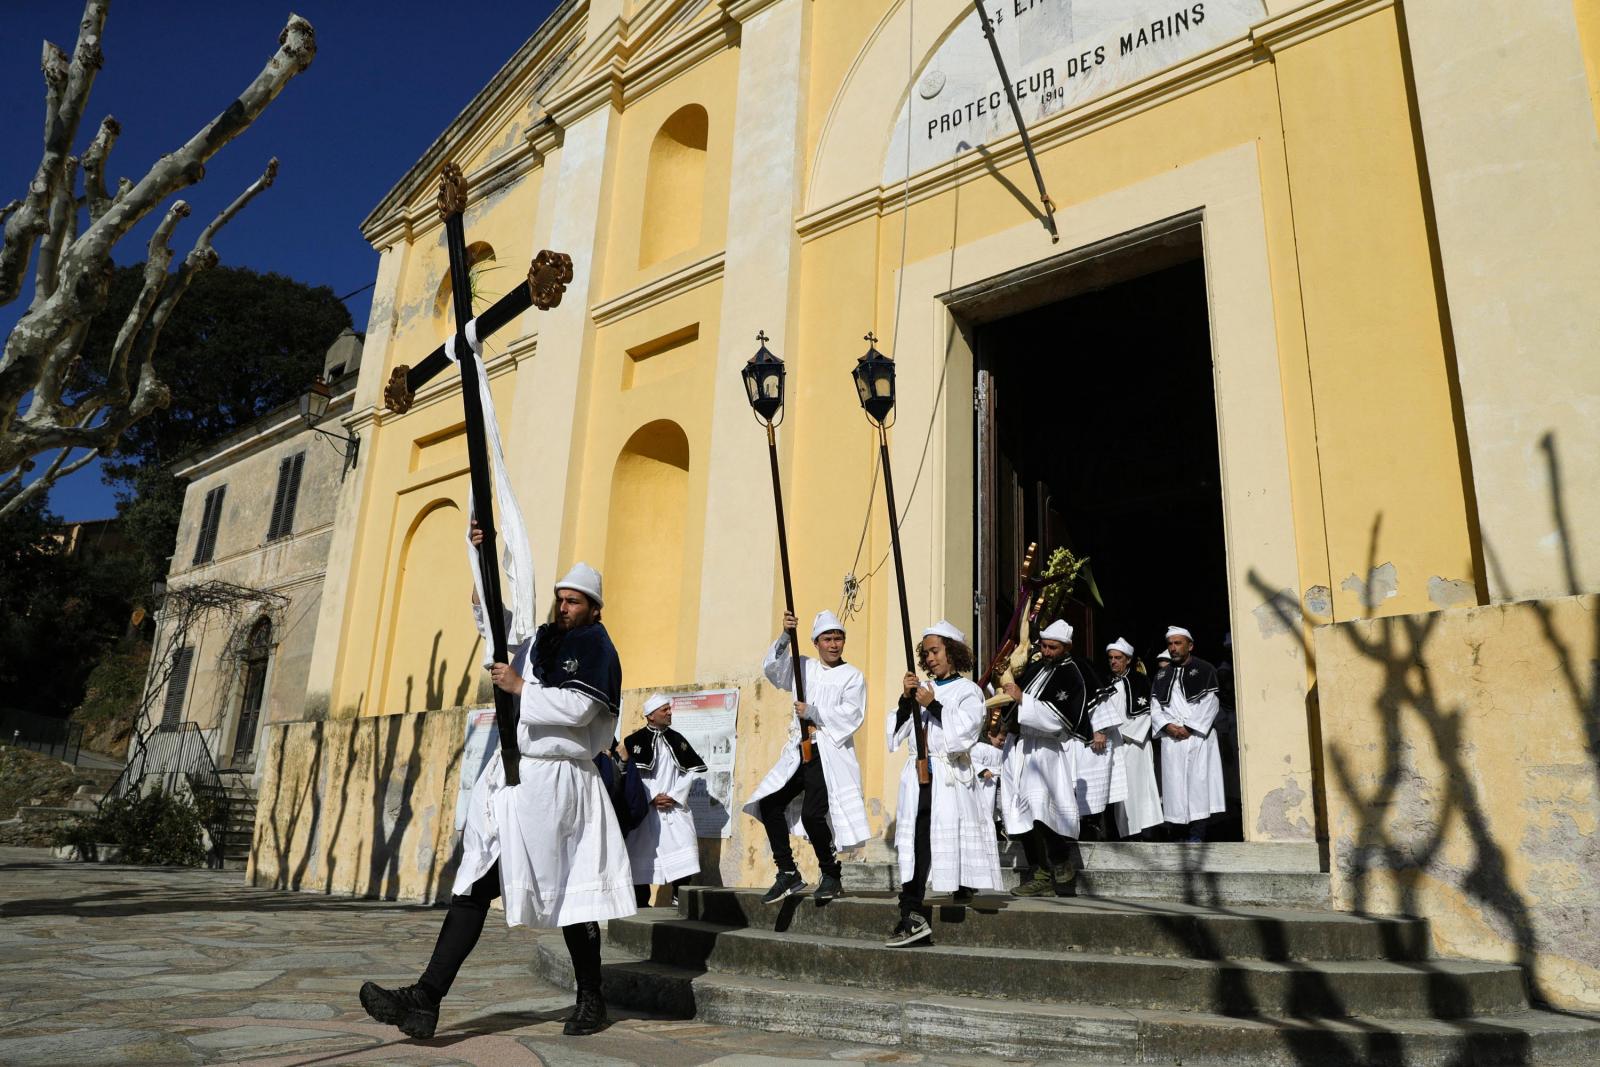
(61, 738)
(176, 753)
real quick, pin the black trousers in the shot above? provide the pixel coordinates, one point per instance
(1044, 847)
(807, 779)
(912, 892)
(463, 924)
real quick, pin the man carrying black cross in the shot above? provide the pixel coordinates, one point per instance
(541, 830)
(551, 845)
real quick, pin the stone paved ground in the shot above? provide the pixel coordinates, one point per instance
(103, 965)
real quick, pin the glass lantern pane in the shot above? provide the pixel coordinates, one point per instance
(771, 386)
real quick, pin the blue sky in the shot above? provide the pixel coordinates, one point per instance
(344, 131)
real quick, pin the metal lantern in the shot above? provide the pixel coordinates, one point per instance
(763, 382)
(314, 401)
(874, 378)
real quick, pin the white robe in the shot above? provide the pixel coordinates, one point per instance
(985, 757)
(1041, 768)
(1101, 777)
(664, 848)
(961, 840)
(1191, 769)
(838, 700)
(1140, 807)
(562, 858)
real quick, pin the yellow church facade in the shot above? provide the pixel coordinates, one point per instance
(1309, 370)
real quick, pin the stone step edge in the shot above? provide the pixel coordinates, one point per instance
(1164, 909)
(1024, 1029)
(1000, 955)
(1209, 857)
(1233, 888)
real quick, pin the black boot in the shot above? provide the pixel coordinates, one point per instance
(588, 1015)
(413, 1009)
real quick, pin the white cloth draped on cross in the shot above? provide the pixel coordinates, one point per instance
(517, 558)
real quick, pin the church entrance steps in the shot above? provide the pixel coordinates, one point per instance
(1214, 888)
(1085, 924)
(1320, 989)
(1104, 980)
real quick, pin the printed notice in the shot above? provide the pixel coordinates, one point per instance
(707, 721)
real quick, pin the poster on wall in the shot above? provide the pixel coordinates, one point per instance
(482, 741)
(707, 720)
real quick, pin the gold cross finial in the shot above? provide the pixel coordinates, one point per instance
(762, 337)
(871, 338)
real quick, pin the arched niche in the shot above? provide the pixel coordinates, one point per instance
(434, 656)
(674, 186)
(481, 275)
(645, 551)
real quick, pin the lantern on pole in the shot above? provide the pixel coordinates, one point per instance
(874, 380)
(763, 383)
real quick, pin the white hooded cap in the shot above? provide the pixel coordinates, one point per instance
(1178, 631)
(586, 580)
(1060, 630)
(655, 702)
(947, 630)
(1163, 655)
(825, 621)
(1121, 645)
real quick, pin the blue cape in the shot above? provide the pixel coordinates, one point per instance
(584, 660)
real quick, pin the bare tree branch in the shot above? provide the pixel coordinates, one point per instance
(73, 269)
(94, 167)
(63, 219)
(67, 85)
(268, 176)
(53, 473)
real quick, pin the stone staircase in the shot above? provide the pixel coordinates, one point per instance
(1127, 979)
(230, 849)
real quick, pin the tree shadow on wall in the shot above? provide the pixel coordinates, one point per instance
(1410, 830)
(392, 808)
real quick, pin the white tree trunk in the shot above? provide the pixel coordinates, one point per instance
(72, 269)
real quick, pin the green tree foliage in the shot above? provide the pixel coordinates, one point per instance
(238, 345)
(61, 611)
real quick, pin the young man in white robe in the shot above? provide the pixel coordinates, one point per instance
(814, 790)
(1054, 731)
(1126, 697)
(551, 844)
(663, 847)
(944, 837)
(1183, 709)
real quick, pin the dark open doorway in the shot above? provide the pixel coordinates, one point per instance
(1098, 432)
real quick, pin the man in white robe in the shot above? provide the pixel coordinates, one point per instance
(551, 844)
(1054, 730)
(814, 790)
(1183, 709)
(663, 847)
(944, 838)
(1127, 698)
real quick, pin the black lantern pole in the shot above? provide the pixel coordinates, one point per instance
(874, 378)
(763, 382)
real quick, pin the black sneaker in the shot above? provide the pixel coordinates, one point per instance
(911, 929)
(411, 1008)
(828, 889)
(588, 1015)
(787, 884)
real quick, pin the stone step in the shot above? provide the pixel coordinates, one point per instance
(1083, 924)
(1447, 989)
(1223, 889)
(1030, 1029)
(1209, 856)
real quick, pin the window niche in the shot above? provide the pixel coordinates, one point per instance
(674, 186)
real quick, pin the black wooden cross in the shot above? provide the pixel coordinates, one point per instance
(548, 278)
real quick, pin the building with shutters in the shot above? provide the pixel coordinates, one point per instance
(252, 546)
(1310, 372)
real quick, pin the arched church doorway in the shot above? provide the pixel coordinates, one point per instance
(1097, 427)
